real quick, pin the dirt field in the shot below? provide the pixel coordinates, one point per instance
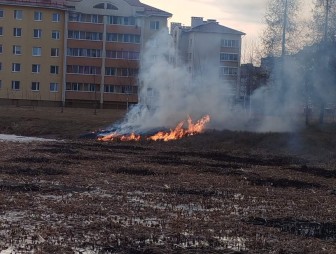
(219, 192)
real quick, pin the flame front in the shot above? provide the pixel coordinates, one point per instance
(179, 132)
(115, 136)
(174, 134)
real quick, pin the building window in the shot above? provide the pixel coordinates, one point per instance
(36, 68)
(130, 55)
(118, 20)
(85, 18)
(85, 87)
(1, 31)
(37, 51)
(37, 16)
(16, 50)
(0, 48)
(17, 31)
(0, 66)
(82, 35)
(228, 56)
(230, 43)
(110, 71)
(124, 38)
(35, 86)
(16, 67)
(154, 25)
(108, 88)
(56, 17)
(231, 71)
(84, 52)
(15, 85)
(53, 87)
(55, 35)
(53, 69)
(18, 14)
(37, 33)
(1, 13)
(54, 52)
(99, 6)
(86, 70)
(0, 84)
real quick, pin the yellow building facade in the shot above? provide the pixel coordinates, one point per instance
(31, 57)
(74, 52)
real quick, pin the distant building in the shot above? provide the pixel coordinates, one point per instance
(208, 48)
(74, 52)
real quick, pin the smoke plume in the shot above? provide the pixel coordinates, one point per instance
(168, 94)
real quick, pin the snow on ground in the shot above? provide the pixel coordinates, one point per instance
(15, 138)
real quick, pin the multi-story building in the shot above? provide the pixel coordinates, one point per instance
(74, 52)
(210, 49)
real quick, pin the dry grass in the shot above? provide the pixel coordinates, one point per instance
(55, 122)
(219, 192)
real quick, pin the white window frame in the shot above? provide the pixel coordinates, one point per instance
(228, 57)
(54, 69)
(37, 16)
(55, 34)
(17, 50)
(16, 67)
(37, 51)
(154, 25)
(56, 17)
(36, 85)
(38, 68)
(53, 87)
(56, 50)
(39, 33)
(17, 31)
(18, 14)
(16, 83)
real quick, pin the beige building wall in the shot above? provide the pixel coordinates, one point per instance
(27, 42)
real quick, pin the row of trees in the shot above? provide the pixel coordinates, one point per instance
(286, 33)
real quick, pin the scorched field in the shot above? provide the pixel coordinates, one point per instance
(218, 192)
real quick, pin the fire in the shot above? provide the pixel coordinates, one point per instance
(179, 132)
(115, 136)
(174, 134)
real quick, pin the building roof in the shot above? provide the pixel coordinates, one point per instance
(214, 27)
(59, 4)
(148, 10)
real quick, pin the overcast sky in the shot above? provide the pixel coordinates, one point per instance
(243, 15)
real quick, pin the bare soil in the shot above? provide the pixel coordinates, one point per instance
(219, 192)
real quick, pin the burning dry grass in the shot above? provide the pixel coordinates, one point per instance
(200, 194)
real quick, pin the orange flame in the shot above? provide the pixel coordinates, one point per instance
(115, 136)
(177, 133)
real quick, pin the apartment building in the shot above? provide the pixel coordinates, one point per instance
(31, 46)
(74, 52)
(209, 50)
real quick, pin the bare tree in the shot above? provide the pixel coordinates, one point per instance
(323, 24)
(280, 34)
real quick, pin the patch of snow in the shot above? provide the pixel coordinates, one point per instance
(7, 251)
(15, 138)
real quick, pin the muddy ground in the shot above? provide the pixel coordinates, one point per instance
(219, 192)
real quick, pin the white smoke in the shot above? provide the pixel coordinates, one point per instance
(168, 93)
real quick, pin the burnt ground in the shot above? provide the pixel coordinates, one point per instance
(219, 192)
